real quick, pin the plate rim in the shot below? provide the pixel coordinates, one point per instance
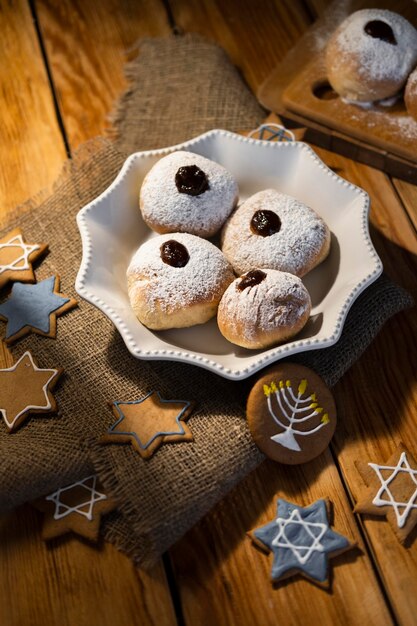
(274, 354)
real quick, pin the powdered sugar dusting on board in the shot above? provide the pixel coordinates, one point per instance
(279, 301)
(174, 287)
(167, 210)
(293, 249)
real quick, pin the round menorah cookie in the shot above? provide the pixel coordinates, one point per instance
(291, 414)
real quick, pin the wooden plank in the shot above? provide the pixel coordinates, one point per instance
(87, 44)
(377, 397)
(256, 37)
(69, 582)
(31, 145)
(216, 560)
(408, 195)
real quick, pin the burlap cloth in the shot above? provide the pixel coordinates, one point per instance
(179, 87)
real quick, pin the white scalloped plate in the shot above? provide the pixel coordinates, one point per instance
(112, 229)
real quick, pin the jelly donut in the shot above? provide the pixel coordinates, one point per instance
(263, 308)
(185, 192)
(370, 55)
(410, 95)
(177, 280)
(275, 231)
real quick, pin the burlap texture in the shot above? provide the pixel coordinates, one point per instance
(160, 498)
(179, 88)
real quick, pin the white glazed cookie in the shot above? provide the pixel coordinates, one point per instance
(185, 192)
(177, 280)
(275, 231)
(370, 55)
(263, 308)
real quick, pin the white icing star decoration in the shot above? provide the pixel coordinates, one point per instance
(83, 505)
(313, 532)
(17, 256)
(392, 491)
(384, 497)
(20, 253)
(301, 541)
(75, 508)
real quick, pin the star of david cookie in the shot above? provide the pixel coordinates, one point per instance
(301, 541)
(76, 508)
(391, 491)
(291, 414)
(34, 308)
(17, 256)
(25, 389)
(149, 422)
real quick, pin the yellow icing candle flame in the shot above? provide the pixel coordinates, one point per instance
(302, 386)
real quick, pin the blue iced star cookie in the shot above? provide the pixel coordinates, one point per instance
(34, 308)
(301, 541)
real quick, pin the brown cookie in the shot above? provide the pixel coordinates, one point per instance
(149, 422)
(25, 388)
(75, 508)
(391, 491)
(291, 414)
(34, 309)
(301, 541)
(17, 256)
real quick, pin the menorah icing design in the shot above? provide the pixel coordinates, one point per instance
(295, 409)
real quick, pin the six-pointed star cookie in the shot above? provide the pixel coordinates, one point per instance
(75, 508)
(17, 256)
(149, 422)
(301, 541)
(34, 308)
(392, 491)
(25, 388)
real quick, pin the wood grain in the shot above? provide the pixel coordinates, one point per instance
(31, 145)
(408, 195)
(377, 398)
(88, 55)
(68, 581)
(221, 578)
(216, 560)
(255, 36)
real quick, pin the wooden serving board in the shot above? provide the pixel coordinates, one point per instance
(298, 90)
(388, 129)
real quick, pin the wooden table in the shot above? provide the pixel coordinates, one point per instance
(61, 70)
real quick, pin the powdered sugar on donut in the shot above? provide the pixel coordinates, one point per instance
(165, 209)
(169, 288)
(278, 302)
(302, 241)
(365, 68)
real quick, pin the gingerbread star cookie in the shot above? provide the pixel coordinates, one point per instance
(17, 256)
(391, 491)
(301, 541)
(25, 388)
(75, 508)
(34, 308)
(149, 422)
(291, 414)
